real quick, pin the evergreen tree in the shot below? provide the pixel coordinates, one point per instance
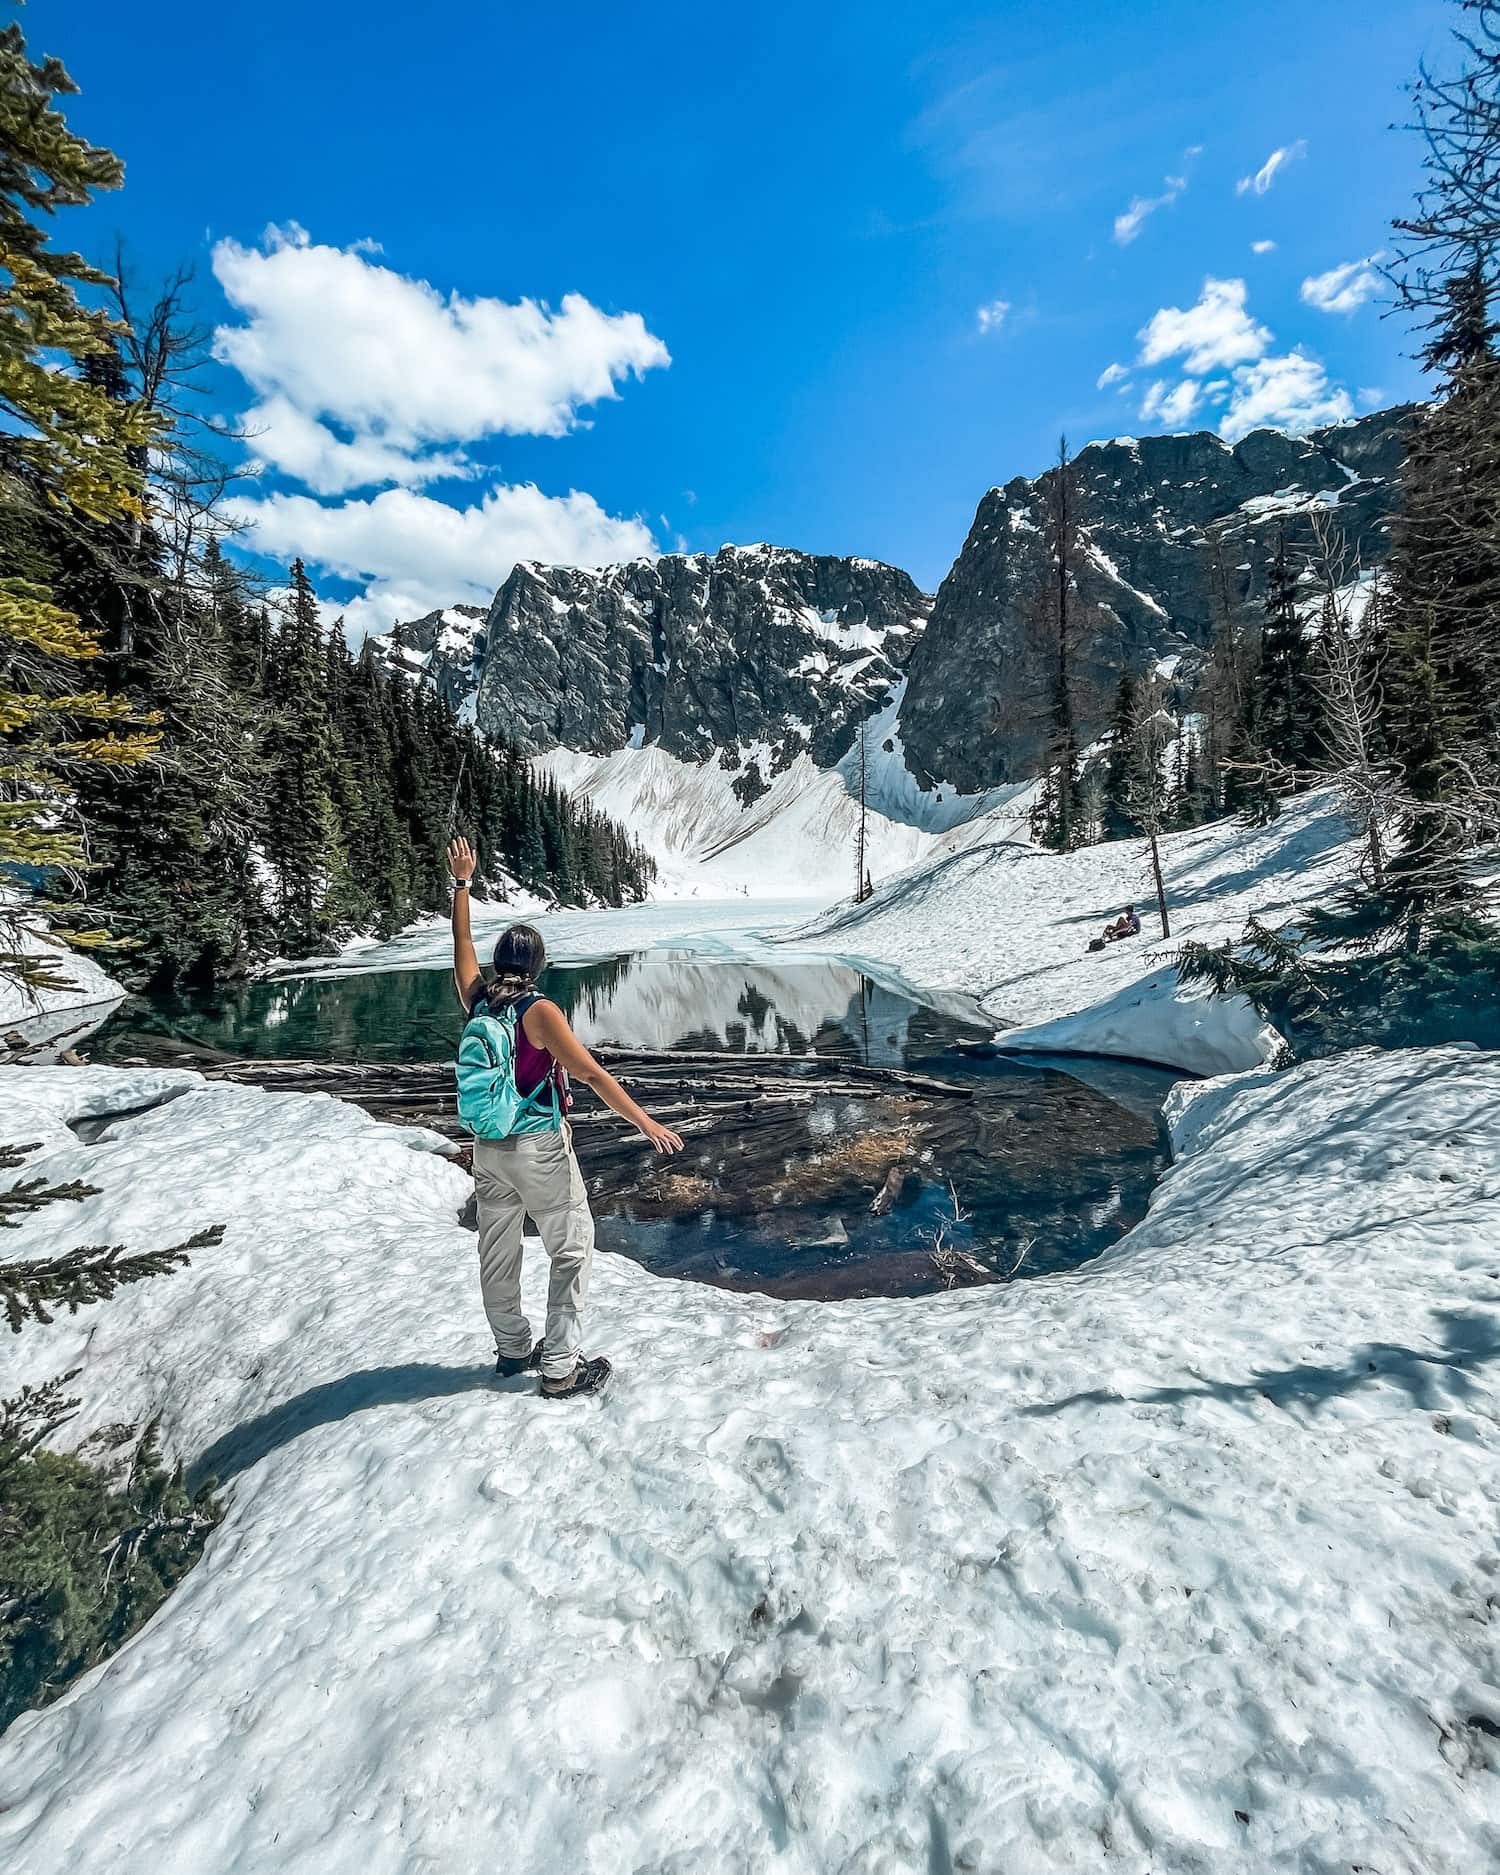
(304, 843)
(1116, 821)
(71, 460)
(1289, 712)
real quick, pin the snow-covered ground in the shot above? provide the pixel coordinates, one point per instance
(37, 1024)
(1184, 1562)
(1008, 923)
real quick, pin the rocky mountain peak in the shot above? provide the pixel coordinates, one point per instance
(754, 654)
(1158, 513)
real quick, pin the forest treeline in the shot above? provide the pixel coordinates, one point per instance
(298, 794)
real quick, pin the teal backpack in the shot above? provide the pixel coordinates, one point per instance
(489, 1102)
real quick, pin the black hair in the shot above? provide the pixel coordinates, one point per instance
(520, 958)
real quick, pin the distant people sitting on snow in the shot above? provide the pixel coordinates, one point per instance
(1127, 925)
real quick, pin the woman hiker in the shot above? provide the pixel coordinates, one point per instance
(534, 1172)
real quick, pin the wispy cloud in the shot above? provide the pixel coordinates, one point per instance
(1130, 221)
(990, 317)
(1111, 374)
(1343, 289)
(1261, 181)
(1262, 247)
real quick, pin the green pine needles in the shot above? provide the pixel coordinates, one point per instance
(88, 1551)
(30, 1289)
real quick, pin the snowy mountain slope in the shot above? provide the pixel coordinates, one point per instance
(1180, 1560)
(799, 836)
(1008, 923)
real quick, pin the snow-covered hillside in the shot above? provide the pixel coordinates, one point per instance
(1181, 1562)
(800, 835)
(1008, 923)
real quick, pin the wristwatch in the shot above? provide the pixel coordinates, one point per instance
(460, 885)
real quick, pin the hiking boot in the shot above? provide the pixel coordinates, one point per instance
(587, 1377)
(508, 1366)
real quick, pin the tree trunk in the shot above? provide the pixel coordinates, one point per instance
(1161, 890)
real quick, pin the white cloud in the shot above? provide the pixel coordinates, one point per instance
(1343, 289)
(417, 553)
(1370, 395)
(1129, 223)
(1269, 169)
(367, 376)
(990, 318)
(1262, 247)
(1288, 393)
(1216, 331)
(1172, 405)
(1111, 374)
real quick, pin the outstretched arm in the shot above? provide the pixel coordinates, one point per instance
(547, 1026)
(466, 972)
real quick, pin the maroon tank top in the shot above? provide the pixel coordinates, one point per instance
(533, 1064)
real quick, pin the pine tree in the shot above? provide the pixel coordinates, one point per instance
(1118, 763)
(303, 839)
(1050, 692)
(71, 460)
(1289, 708)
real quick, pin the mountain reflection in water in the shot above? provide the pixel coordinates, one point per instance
(1046, 1168)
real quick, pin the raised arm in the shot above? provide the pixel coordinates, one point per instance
(548, 1027)
(466, 972)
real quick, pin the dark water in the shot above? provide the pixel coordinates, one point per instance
(1041, 1170)
(649, 1000)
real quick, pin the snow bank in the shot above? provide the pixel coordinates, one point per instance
(1008, 923)
(1183, 1562)
(36, 1025)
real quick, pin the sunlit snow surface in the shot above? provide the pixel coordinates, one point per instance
(1182, 1563)
(1008, 923)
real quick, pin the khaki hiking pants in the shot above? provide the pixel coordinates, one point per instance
(535, 1175)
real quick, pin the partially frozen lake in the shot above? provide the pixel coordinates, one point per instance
(1045, 1167)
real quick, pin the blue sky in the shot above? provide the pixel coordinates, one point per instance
(889, 251)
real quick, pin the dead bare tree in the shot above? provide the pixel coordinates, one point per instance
(1346, 672)
(862, 887)
(1148, 793)
(164, 353)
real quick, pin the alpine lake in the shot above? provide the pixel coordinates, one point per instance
(803, 1175)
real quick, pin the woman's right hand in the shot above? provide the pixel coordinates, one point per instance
(662, 1137)
(461, 858)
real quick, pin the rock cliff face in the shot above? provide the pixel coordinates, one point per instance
(755, 655)
(1158, 514)
(750, 655)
